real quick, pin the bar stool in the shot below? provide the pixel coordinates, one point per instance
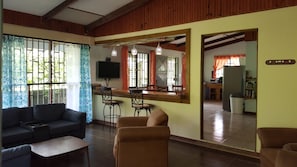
(107, 100)
(137, 102)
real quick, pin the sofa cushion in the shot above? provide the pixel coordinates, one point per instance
(16, 135)
(26, 114)
(157, 117)
(62, 127)
(48, 112)
(10, 117)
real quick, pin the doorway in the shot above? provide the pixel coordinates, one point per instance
(229, 104)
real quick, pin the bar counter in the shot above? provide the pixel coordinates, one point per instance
(151, 95)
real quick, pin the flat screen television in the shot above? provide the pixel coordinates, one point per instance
(107, 69)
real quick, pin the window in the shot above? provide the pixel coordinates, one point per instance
(138, 68)
(172, 71)
(46, 71)
(35, 73)
(231, 62)
(221, 61)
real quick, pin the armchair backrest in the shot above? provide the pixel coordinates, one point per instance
(17, 156)
(157, 117)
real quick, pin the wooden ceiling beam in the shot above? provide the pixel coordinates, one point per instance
(223, 38)
(117, 13)
(57, 9)
(224, 44)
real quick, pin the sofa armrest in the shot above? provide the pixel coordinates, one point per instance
(131, 121)
(74, 116)
(79, 117)
(143, 133)
(277, 137)
(17, 156)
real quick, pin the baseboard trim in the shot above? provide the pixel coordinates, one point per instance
(214, 146)
(100, 122)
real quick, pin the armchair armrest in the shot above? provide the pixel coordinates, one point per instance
(74, 116)
(131, 121)
(287, 156)
(277, 137)
(143, 133)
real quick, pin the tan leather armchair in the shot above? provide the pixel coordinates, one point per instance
(142, 141)
(287, 156)
(272, 143)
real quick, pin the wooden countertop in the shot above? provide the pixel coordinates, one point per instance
(151, 95)
(214, 85)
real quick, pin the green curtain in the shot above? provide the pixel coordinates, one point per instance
(14, 76)
(85, 94)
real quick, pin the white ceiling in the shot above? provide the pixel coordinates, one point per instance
(80, 11)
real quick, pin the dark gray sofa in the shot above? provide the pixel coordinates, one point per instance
(41, 122)
(19, 156)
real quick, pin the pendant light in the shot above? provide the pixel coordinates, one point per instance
(134, 51)
(114, 52)
(158, 49)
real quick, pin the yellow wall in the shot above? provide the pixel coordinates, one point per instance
(277, 39)
(277, 105)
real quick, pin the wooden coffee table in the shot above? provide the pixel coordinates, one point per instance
(59, 146)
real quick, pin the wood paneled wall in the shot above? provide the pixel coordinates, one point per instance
(155, 14)
(161, 13)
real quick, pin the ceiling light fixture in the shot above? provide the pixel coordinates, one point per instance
(134, 51)
(158, 49)
(114, 52)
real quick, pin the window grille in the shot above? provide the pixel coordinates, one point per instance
(46, 71)
(138, 68)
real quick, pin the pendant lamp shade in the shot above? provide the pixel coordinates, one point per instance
(114, 52)
(158, 49)
(134, 51)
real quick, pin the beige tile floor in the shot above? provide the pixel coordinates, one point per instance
(223, 127)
